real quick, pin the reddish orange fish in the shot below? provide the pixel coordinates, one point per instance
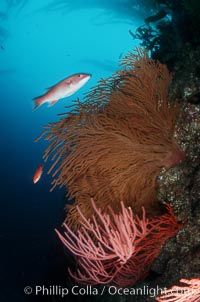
(38, 174)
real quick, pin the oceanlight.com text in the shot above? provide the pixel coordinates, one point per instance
(57, 290)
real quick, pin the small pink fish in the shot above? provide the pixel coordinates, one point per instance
(38, 174)
(63, 89)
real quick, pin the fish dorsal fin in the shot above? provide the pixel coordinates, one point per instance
(52, 102)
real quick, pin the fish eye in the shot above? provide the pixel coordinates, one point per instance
(80, 75)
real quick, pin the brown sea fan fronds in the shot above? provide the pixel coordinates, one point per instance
(113, 145)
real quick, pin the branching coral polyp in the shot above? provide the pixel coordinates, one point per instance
(117, 248)
(113, 145)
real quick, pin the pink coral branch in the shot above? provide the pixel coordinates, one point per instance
(188, 293)
(118, 248)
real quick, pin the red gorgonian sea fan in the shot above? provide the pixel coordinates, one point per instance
(189, 292)
(117, 248)
(113, 145)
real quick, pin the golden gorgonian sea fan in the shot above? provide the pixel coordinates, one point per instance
(113, 145)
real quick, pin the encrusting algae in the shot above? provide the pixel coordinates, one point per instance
(112, 146)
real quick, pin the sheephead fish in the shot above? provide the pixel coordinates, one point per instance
(38, 173)
(63, 89)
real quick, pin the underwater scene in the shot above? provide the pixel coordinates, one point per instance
(100, 150)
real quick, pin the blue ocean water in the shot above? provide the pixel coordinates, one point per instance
(42, 42)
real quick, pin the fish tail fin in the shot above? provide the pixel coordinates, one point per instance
(39, 101)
